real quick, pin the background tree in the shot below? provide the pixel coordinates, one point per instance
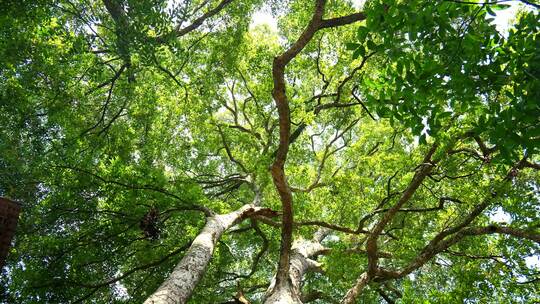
(168, 152)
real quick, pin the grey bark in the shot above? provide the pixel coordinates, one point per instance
(182, 281)
(303, 251)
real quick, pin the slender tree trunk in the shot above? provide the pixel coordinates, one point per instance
(352, 294)
(182, 281)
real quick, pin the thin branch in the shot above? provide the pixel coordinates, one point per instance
(108, 81)
(228, 150)
(188, 206)
(421, 173)
(179, 32)
(494, 2)
(96, 286)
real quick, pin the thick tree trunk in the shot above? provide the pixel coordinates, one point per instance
(185, 276)
(289, 291)
(284, 293)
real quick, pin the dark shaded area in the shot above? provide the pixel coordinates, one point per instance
(9, 215)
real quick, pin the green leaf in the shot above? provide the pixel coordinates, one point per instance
(360, 51)
(490, 11)
(362, 33)
(351, 46)
(422, 139)
(500, 7)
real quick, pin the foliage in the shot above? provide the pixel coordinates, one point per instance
(112, 109)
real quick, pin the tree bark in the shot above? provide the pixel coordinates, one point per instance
(303, 251)
(352, 294)
(182, 281)
(284, 290)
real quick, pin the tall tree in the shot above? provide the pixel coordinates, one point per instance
(173, 152)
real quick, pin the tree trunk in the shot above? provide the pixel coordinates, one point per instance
(185, 276)
(352, 294)
(290, 292)
(284, 293)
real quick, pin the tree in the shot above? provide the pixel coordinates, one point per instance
(167, 151)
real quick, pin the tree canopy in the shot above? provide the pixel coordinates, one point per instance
(172, 151)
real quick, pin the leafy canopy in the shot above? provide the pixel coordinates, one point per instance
(111, 109)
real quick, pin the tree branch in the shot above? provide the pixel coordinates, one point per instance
(371, 244)
(179, 32)
(282, 104)
(344, 20)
